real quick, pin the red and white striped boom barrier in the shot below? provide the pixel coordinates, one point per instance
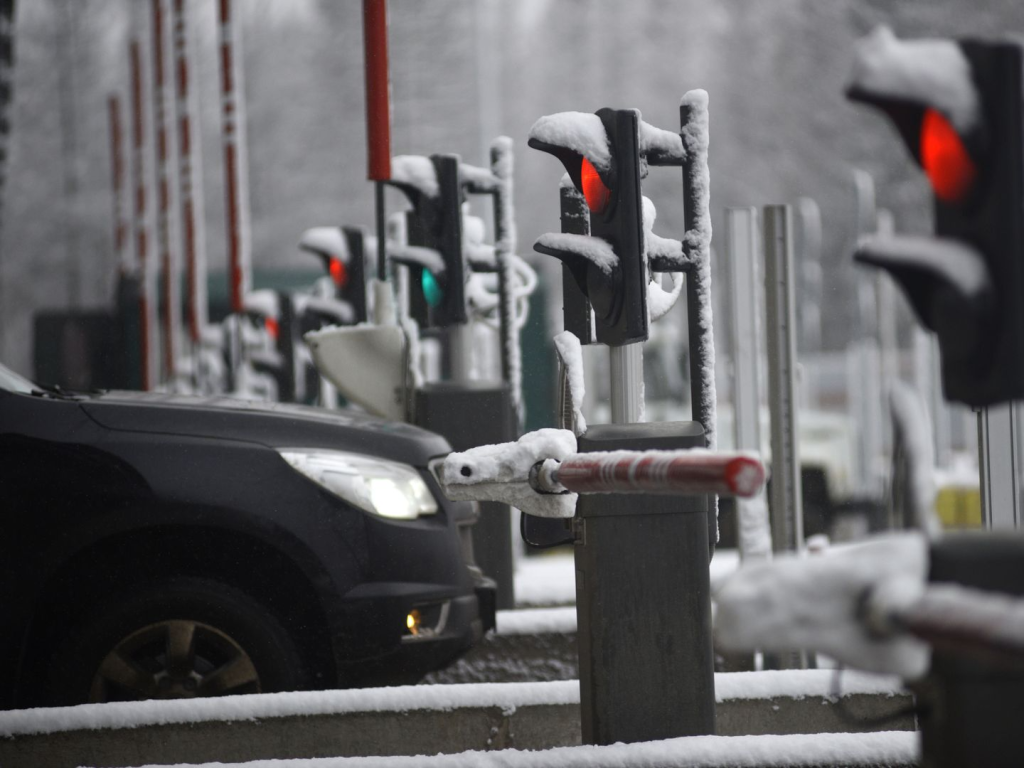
(236, 177)
(170, 319)
(190, 178)
(147, 305)
(117, 165)
(541, 473)
(688, 472)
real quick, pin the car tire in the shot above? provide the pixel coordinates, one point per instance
(181, 638)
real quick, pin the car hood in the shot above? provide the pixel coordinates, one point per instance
(277, 425)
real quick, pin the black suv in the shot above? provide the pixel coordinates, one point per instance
(157, 546)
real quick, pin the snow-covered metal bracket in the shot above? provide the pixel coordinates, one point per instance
(542, 474)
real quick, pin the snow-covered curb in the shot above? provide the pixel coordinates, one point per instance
(537, 621)
(507, 696)
(848, 749)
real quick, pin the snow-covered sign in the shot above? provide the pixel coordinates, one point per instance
(932, 73)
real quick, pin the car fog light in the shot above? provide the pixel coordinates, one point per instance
(426, 621)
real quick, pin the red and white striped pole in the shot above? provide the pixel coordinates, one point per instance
(117, 183)
(190, 178)
(147, 305)
(168, 258)
(235, 163)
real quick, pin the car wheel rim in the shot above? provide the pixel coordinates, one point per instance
(174, 659)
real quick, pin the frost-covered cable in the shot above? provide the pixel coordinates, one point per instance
(697, 243)
(504, 251)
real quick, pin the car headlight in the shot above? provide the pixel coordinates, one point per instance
(379, 486)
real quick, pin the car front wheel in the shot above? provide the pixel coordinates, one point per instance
(184, 638)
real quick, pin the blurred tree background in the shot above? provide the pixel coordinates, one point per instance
(463, 72)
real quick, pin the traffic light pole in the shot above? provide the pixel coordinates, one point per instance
(786, 501)
(999, 451)
(627, 383)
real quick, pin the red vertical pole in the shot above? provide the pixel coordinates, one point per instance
(235, 171)
(378, 96)
(378, 114)
(117, 182)
(140, 215)
(167, 257)
(189, 177)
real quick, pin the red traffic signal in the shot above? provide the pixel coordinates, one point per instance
(958, 107)
(945, 159)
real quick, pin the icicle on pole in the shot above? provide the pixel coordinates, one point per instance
(189, 175)
(236, 174)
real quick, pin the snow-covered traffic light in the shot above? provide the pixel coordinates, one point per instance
(342, 250)
(958, 107)
(601, 153)
(435, 235)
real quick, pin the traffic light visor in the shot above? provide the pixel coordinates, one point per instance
(594, 190)
(950, 168)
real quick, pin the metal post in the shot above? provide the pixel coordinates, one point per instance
(809, 306)
(926, 382)
(741, 231)
(999, 453)
(743, 246)
(643, 602)
(785, 495)
(627, 383)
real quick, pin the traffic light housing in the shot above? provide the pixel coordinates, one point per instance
(343, 254)
(435, 224)
(601, 153)
(958, 107)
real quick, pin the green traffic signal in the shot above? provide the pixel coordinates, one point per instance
(432, 290)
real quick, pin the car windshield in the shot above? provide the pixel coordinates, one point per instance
(12, 382)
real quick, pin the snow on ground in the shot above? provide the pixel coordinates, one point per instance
(729, 686)
(848, 749)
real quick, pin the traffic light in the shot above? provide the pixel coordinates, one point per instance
(601, 153)
(958, 107)
(434, 225)
(343, 253)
